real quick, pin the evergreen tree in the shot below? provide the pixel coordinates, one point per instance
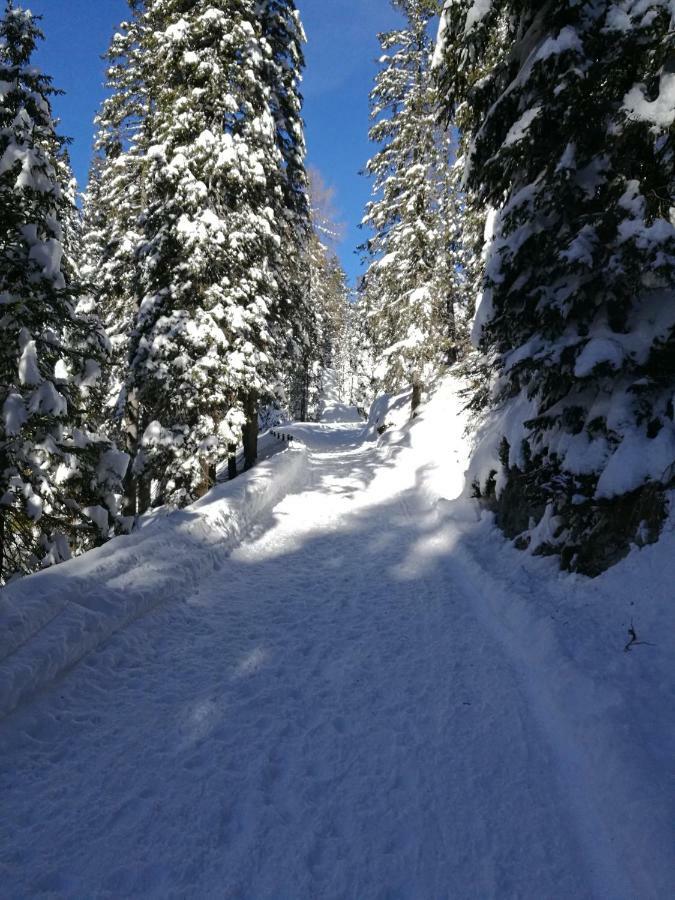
(115, 200)
(326, 303)
(196, 222)
(205, 292)
(568, 112)
(409, 288)
(58, 478)
(296, 326)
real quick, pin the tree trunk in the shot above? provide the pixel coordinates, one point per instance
(130, 487)
(416, 396)
(231, 461)
(250, 431)
(2, 544)
(208, 477)
(453, 352)
(144, 494)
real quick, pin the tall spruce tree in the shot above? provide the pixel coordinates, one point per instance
(568, 111)
(202, 346)
(111, 233)
(408, 290)
(198, 218)
(58, 478)
(326, 302)
(296, 325)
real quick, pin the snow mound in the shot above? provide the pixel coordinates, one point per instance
(50, 621)
(434, 444)
(594, 655)
(388, 411)
(341, 413)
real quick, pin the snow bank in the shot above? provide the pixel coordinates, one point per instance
(340, 413)
(429, 452)
(49, 621)
(388, 411)
(608, 712)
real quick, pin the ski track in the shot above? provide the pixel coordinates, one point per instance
(327, 717)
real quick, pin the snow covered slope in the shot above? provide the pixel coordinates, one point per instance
(49, 621)
(371, 696)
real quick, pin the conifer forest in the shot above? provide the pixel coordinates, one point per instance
(330, 569)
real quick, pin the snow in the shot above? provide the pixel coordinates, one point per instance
(661, 111)
(14, 415)
(29, 370)
(637, 460)
(596, 352)
(99, 516)
(47, 401)
(340, 412)
(112, 462)
(50, 621)
(48, 255)
(332, 409)
(370, 695)
(520, 128)
(478, 10)
(567, 39)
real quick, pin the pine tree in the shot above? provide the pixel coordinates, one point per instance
(568, 111)
(58, 478)
(295, 323)
(408, 290)
(114, 202)
(325, 305)
(203, 350)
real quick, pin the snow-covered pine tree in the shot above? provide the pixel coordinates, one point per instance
(113, 204)
(326, 304)
(58, 479)
(202, 351)
(362, 385)
(409, 312)
(569, 109)
(296, 326)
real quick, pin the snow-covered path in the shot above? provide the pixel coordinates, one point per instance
(327, 717)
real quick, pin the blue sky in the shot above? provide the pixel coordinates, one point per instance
(341, 52)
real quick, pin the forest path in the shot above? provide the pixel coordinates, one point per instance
(327, 717)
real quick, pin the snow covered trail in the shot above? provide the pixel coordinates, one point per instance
(326, 717)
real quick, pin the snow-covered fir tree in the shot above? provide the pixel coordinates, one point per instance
(200, 346)
(59, 480)
(568, 110)
(409, 289)
(114, 202)
(326, 303)
(197, 221)
(296, 326)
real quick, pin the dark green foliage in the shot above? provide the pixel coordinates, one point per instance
(567, 145)
(58, 477)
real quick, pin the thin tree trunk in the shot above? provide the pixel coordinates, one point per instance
(130, 486)
(231, 461)
(304, 408)
(416, 396)
(453, 352)
(2, 544)
(208, 478)
(132, 483)
(250, 431)
(144, 494)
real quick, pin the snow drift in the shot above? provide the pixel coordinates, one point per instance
(49, 621)
(595, 655)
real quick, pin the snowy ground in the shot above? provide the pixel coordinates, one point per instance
(372, 696)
